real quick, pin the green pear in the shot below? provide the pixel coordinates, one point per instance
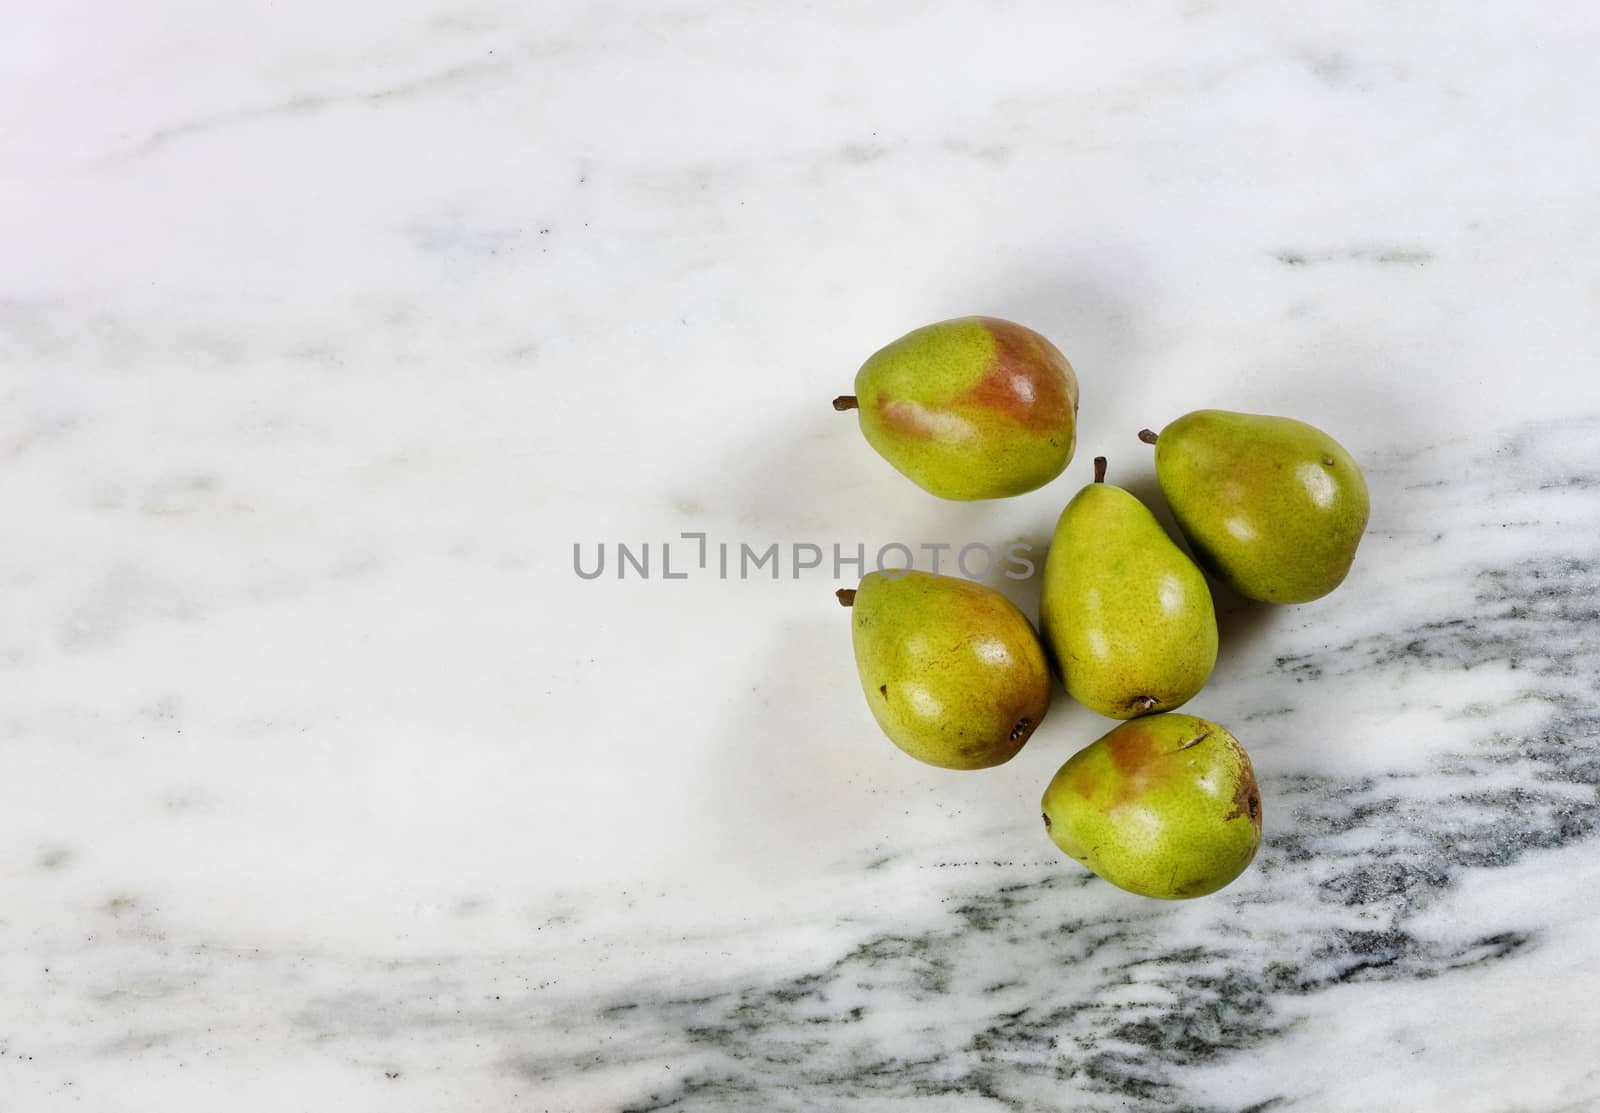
(1126, 613)
(952, 671)
(1165, 806)
(1273, 506)
(975, 408)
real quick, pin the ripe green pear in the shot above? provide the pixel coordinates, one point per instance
(1165, 807)
(1126, 613)
(1273, 506)
(975, 408)
(952, 671)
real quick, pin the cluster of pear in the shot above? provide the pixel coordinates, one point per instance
(1166, 805)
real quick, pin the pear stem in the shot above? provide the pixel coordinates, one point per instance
(1099, 469)
(844, 402)
(1147, 436)
(846, 596)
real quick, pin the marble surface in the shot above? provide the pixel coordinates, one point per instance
(327, 331)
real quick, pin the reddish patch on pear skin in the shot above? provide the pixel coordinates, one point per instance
(1131, 750)
(905, 418)
(1139, 759)
(1028, 380)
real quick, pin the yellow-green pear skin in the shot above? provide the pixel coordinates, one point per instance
(974, 408)
(1126, 613)
(1165, 806)
(952, 670)
(1273, 506)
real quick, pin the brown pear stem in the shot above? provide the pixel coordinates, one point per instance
(1147, 436)
(1099, 469)
(844, 402)
(846, 596)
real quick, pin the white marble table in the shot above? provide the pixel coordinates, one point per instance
(326, 331)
